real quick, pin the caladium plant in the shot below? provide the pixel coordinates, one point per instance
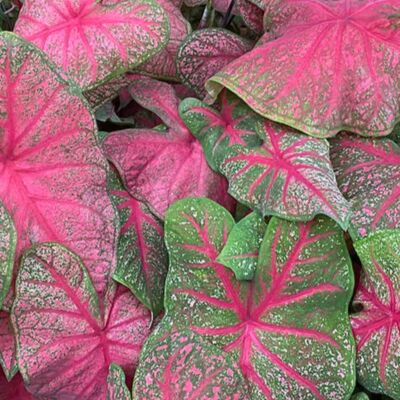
(13, 390)
(117, 389)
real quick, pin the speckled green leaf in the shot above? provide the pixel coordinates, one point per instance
(376, 326)
(290, 175)
(240, 252)
(8, 240)
(117, 389)
(360, 396)
(368, 175)
(142, 257)
(182, 365)
(288, 329)
(219, 131)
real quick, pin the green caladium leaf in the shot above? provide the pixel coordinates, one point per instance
(360, 396)
(290, 175)
(219, 131)
(183, 365)
(288, 329)
(8, 241)
(117, 389)
(241, 250)
(377, 326)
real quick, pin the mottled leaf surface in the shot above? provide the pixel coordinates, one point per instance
(241, 250)
(13, 390)
(8, 360)
(360, 396)
(142, 257)
(218, 131)
(52, 173)
(8, 242)
(368, 174)
(288, 329)
(377, 326)
(289, 175)
(205, 52)
(334, 66)
(117, 389)
(64, 345)
(252, 15)
(93, 41)
(183, 365)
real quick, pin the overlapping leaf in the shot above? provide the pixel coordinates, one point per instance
(252, 15)
(334, 66)
(117, 389)
(53, 174)
(95, 41)
(8, 359)
(288, 329)
(289, 175)
(377, 326)
(142, 256)
(368, 174)
(13, 390)
(64, 344)
(218, 131)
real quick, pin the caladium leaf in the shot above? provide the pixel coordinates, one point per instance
(142, 256)
(360, 396)
(117, 389)
(368, 174)
(241, 250)
(218, 131)
(53, 175)
(13, 390)
(8, 242)
(205, 52)
(289, 175)
(252, 15)
(93, 41)
(8, 358)
(64, 345)
(183, 365)
(377, 326)
(288, 329)
(342, 71)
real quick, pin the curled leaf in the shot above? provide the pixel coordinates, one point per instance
(117, 389)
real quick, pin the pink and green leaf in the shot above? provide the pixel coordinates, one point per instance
(64, 344)
(13, 389)
(117, 389)
(94, 42)
(205, 52)
(53, 175)
(8, 357)
(334, 66)
(241, 250)
(368, 175)
(218, 131)
(287, 328)
(376, 326)
(252, 15)
(290, 175)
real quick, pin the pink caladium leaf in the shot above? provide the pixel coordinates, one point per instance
(368, 174)
(117, 389)
(205, 52)
(64, 345)
(290, 175)
(52, 175)
(376, 326)
(142, 257)
(219, 131)
(241, 250)
(92, 41)
(159, 167)
(183, 365)
(8, 358)
(288, 329)
(13, 390)
(8, 243)
(252, 15)
(342, 71)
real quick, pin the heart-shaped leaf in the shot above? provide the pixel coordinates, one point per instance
(64, 345)
(183, 365)
(93, 41)
(377, 326)
(288, 329)
(8, 242)
(13, 390)
(241, 250)
(218, 131)
(52, 175)
(8, 358)
(117, 389)
(368, 174)
(335, 66)
(142, 257)
(289, 175)
(205, 52)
